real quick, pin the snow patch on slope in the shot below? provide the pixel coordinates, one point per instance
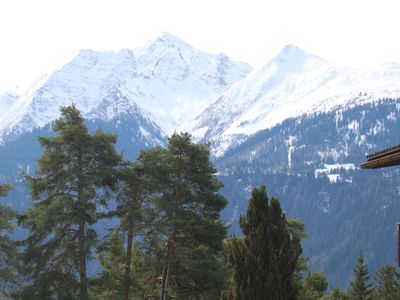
(291, 84)
(167, 80)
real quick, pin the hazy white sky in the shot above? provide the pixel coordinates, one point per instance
(37, 36)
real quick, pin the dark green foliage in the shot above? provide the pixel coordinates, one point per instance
(338, 229)
(136, 219)
(265, 260)
(75, 176)
(361, 288)
(109, 284)
(169, 199)
(169, 214)
(318, 139)
(51, 285)
(4, 189)
(8, 249)
(337, 294)
(387, 283)
(314, 286)
(130, 206)
(191, 234)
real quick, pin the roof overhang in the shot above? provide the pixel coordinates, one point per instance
(385, 158)
(386, 161)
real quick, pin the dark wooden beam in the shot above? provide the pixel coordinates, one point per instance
(398, 244)
(382, 161)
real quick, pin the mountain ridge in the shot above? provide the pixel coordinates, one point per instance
(299, 125)
(162, 78)
(178, 88)
(291, 84)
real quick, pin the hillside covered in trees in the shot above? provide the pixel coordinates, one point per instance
(154, 226)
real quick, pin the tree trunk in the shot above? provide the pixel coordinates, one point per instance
(83, 292)
(170, 262)
(171, 253)
(164, 275)
(128, 261)
(171, 249)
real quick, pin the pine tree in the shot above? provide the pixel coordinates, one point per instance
(4, 189)
(315, 285)
(265, 260)
(75, 176)
(337, 294)
(134, 209)
(109, 284)
(191, 234)
(388, 283)
(8, 248)
(360, 288)
(168, 198)
(130, 210)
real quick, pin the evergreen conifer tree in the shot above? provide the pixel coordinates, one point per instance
(315, 285)
(169, 198)
(134, 209)
(191, 233)
(265, 260)
(387, 283)
(4, 189)
(8, 248)
(337, 294)
(109, 284)
(75, 176)
(360, 288)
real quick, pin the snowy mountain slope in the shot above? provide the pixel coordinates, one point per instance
(195, 79)
(311, 164)
(166, 81)
(176, 87)
(291, 84)
(6, 101)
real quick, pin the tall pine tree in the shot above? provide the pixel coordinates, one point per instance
(8, 248)
(191, 234)
(169, 198)
(109, 284)
(387, 283)
(337, 294)
(134, 211)
(75, 176)
(265, 259)
(360, 287)
(314, 286)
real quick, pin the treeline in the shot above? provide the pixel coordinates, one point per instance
(154, 227)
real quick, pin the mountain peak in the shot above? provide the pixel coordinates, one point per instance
(291, 54)
(168, 40)
(292, 47)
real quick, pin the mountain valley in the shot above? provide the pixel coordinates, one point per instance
(299, 125)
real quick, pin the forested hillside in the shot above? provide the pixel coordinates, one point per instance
(312, 164)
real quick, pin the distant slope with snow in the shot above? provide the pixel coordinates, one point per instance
(176, 87)
(291, 84)
(299, 125)
(167, 81)
(311, 164)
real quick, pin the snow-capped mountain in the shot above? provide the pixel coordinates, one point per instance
(166, 81)
(299, 125)
(6, 101)
(173, 86)
(291, 84)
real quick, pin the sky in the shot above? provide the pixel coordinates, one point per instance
(38, 36)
